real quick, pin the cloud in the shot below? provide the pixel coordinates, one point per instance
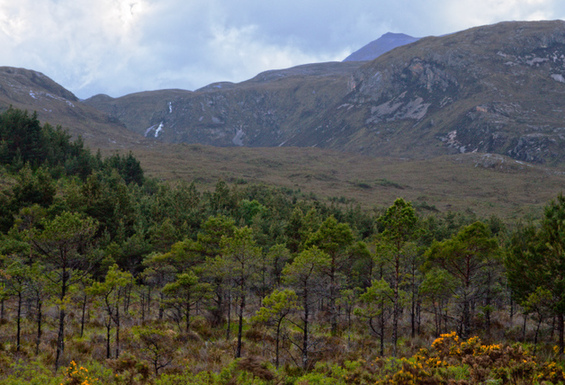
(468, 13)
(123, 46)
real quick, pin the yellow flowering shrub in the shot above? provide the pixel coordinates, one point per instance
(451, 360)
(75, 375)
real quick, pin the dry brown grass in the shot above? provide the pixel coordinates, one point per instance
(484, 184)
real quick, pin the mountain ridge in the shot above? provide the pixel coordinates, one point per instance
(486, 89)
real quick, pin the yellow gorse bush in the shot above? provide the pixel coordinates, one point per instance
(75, 375)
(452, 360)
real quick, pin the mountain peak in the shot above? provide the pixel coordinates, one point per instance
(383, 44)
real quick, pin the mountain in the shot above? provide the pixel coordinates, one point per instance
(491, 89)
(382, 45)
(33, 91)
(264, 111)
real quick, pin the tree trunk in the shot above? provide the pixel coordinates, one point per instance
(127, 301)
(487, 305)
(396, 307)
(83, 316)
(511, 310)
(60, 338)
(117, 322)
(305, 332)
(437, 311)
(229, 318)
(536, 335)
(19, 322)
(148, 314)
(161, 307)
(382, 326)
(62, 314)
(142, 300)
(188, 305)
(39, 320)
(524, 327)
(413, 316)
(240, 327)
(333, 312)
(561, 334)
(108, 329)
(418, 316)
(465, 321)
(277, 343)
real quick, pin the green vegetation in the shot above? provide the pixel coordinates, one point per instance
(107, 276)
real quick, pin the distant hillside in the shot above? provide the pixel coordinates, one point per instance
(382, 45)
(33, 91)
(495, 89)
(264, 111)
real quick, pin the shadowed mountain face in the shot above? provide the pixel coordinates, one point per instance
(382, 45)
(496, 88)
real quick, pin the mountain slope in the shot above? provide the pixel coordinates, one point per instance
(492, 89)
(33, 91)
(263, 111)
(382, 45)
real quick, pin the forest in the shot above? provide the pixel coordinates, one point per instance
(111, 277)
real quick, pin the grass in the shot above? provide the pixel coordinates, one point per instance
(461, 182)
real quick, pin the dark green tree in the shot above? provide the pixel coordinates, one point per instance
(242, 257)
(305, 275)
(185, 293)
(399, 223)
(112, 294)
(377, 303)
(465, 257)
(334, 238)
(536, 263)
(64, 245)
(276, 308)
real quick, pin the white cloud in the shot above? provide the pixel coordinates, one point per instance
(468, 13)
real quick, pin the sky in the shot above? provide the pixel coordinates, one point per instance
(117, 47)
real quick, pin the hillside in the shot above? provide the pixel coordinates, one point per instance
(494, 89)
(261, 112)
(34, 91)
(424, 122)
(485, 184)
